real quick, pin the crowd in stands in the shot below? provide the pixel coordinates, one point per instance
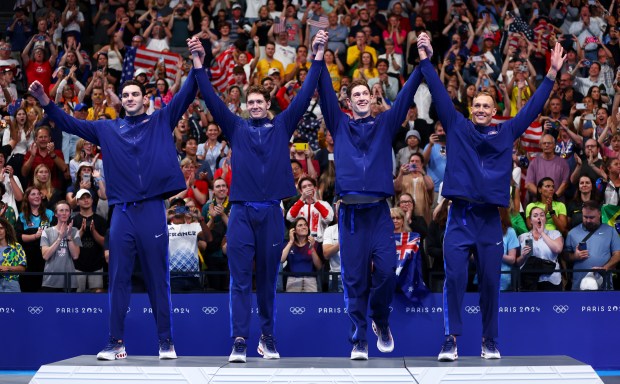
(566, 167)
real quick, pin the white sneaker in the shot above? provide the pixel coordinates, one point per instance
(360, 351)
(385, 341)
(115, 350)
(238, 351)
(489, 349)
(267, 347)
(166, 350)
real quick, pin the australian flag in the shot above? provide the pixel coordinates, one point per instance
(409, 265)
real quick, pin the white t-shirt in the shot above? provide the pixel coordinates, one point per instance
(330, 237)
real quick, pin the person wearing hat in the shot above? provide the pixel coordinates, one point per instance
(412, 179)
(602, 245)
(284, 52)
(263, 177)
(36, 67)
(139, 179)
(92, 229)
(267, 66)
(412, 138)
(141, 75)
(86, 178)
(240, 26)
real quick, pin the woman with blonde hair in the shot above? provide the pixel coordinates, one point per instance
(19, 136)
(42, 180)
(85, 151)
(399, 220)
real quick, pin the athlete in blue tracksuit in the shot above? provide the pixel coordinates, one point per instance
(142, 170)
(477, 180)
(262, 177)
(363, 160)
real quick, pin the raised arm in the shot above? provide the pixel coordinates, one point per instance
(301, 101)
(220, 112)
(445, 108)
(536, 103)
(67, 123)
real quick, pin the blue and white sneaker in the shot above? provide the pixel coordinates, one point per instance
(448, 349)
(238, 351)
(114, 350)
(166, 350)
(267, 347)
(385, 341)
(489, 349)
(360, 351)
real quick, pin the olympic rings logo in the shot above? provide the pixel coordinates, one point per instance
(560, 308)
(472, 309)
(35, 310)
(210, 310)
(297, 310)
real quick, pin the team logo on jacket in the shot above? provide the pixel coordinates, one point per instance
(268, 125)
(492, 133)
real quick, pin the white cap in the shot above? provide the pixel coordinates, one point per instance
(81, 193)
(591, 282)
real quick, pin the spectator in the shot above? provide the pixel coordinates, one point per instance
(434, 245)
(196, 190)
(33, 219)
(590, 164)
(413, 140)
(589, 32)
(19, 29)
(183, 249)
(216, 212)
(585, 192)
(318, 213)
(157, 35)
(36, 67)
(182, 27)
(14, 191)
(547, 165)
(554, 210)
(43, 182)
(42, 151)
(331, 253)
(88, 178)
(609, 186)
(389, 84)
(60, 247)
(435, 155)
(302, 258)
(511, 244)
(265, 64)
(85, 151)
(72, 19)
(337, 34)
(412, 179)
(92, 229)
(602, 244)
(99, 107)
(545, 244)
(12, 258)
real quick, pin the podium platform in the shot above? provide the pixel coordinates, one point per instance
(421, 370)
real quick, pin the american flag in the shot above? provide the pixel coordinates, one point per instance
(321, 23)
(530, 140)
(147, 59)
(222, 70)
(280, 27)
(409, 259)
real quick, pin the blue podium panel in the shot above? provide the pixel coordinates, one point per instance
(43, 328)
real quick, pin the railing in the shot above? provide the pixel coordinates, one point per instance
(327, 281)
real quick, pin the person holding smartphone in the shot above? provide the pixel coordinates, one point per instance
(412, 179)
(89, 179)
(263, 177)
(477, 180)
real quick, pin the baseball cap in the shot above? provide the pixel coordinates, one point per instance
(80, 107)
(273, 71)
(82, 192)
(236, 6)
(139, 71)
(591, 282)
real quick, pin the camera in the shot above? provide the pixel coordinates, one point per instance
(582, 246)
(441, 138)
(523, 68)
(181, 11)
(412, 167)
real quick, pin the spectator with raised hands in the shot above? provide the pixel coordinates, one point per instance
(36, 66)
(68, 89)
(302, 258)
(157, 35)
(589, 32)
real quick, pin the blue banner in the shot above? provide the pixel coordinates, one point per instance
(43, 328)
